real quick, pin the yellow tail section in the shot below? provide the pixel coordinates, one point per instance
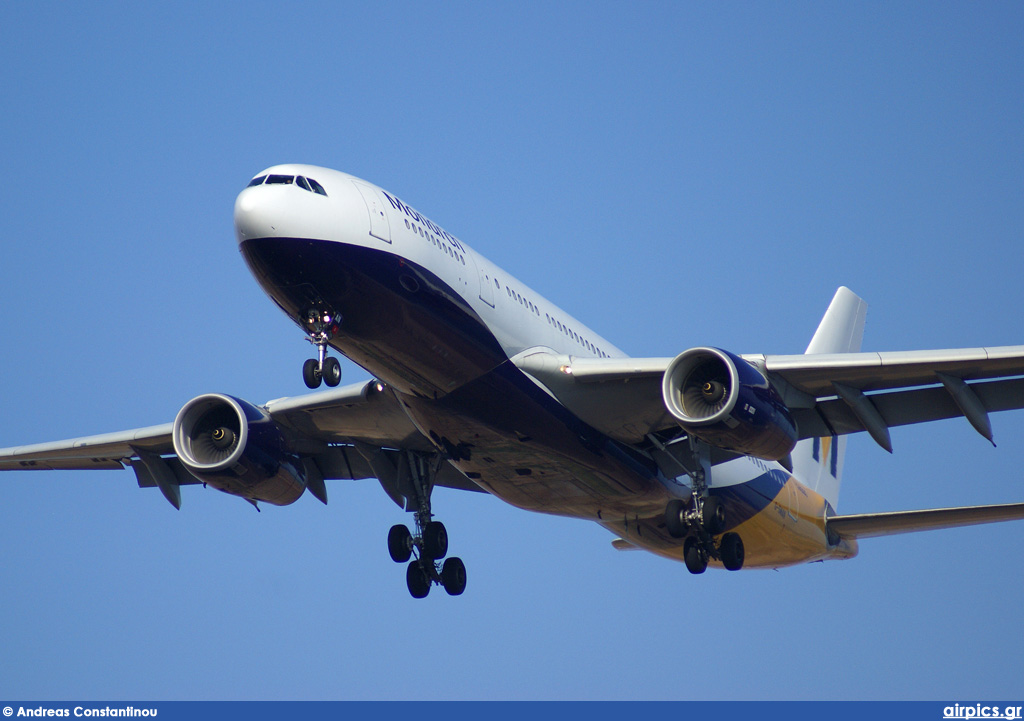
(818, 462)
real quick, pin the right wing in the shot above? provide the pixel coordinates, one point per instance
(358, 431)
(835, 394)
(827, 393)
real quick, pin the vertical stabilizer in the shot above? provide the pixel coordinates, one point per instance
(818, 462)
(842, 328)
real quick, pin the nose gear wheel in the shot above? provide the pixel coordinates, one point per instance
(322, 327)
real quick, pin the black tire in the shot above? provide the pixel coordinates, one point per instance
(331, 372)
(311, 374)
(435, 540)
(731, 551)
(453, 576)
(674, 522)
(417, 580)
(695, 557)
(713, 516)
(400, 543)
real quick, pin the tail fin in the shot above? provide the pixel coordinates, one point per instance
(818, 462)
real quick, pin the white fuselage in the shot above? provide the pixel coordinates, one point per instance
(438, 323)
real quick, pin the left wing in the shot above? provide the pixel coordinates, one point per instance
(358, 431)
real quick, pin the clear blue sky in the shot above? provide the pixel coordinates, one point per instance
(673, 174)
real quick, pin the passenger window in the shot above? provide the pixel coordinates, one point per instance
(256, 181)
(280, 179)
(317, 188)
(303, 184)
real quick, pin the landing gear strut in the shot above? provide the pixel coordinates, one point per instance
(322, 327)
(429, 542)
(701, 517)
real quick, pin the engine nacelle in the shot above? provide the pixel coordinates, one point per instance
(237, 448)
(725, 401)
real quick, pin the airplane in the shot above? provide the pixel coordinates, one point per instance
(479, 383)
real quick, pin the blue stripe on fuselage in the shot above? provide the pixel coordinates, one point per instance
(745, 500)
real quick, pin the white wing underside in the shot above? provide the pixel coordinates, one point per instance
(349, 433)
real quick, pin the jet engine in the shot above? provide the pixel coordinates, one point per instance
(237, 448)
(725, 401)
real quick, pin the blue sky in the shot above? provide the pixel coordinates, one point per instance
(673, 174)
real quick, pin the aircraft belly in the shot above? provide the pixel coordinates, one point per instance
(521, 445)
(399, 321)
(780, 522)
(413, 331)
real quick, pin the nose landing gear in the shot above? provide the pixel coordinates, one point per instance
(322, 327)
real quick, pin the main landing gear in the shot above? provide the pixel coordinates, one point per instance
(429, 543)
(700, 518)
(322, 327)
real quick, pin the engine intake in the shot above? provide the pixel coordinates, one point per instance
(725, 401)
(237, 448)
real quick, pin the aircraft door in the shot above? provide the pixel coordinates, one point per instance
(379, 226)
(486, 288)
(486, 281)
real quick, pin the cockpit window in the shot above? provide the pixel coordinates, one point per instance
(305, 183)
(317, 188)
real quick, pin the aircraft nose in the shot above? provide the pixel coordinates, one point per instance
(255, 215)
(281, 203)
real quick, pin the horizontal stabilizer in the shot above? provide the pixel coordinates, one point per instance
(868, 525)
